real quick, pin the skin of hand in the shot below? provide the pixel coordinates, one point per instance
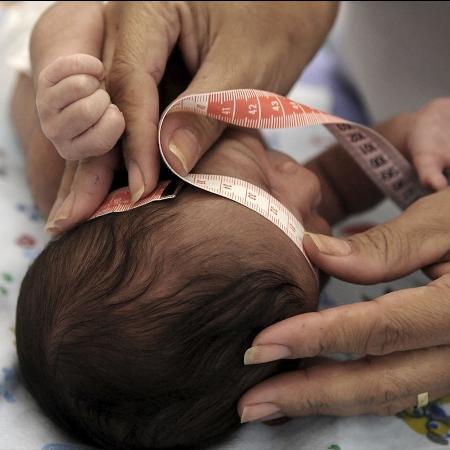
(403, 335)
(218, 42)
(75, 112)
(428, 142)
(76, 115)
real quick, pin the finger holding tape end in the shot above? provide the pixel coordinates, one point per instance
(186, 137)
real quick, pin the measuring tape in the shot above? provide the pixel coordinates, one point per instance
(249, 108)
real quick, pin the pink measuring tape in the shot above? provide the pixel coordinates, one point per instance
(249, 108)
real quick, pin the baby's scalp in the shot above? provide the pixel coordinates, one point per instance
(131, 328)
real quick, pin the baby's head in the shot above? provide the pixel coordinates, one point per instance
(131, 328)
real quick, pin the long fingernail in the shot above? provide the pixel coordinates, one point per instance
(260, 412)
(54, 210)
(266, 353)
(135, 181)
(184, 146)
(331, 246)
(62, 213)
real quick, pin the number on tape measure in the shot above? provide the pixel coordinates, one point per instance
(250, 108)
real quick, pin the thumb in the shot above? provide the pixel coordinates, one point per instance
(390, 250)
(140, 36)
(186, 137)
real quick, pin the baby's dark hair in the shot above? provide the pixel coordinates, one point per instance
(131, 328)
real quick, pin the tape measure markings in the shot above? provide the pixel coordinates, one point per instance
(249, 108)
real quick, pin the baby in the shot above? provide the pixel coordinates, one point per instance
(131, 328)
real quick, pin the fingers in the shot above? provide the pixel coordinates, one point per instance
(428, 142)
(84, 187)
(66, 66)
(65, 92)
(100, 137)
(139, 145)
(133, 78)
(75, 114)
(403, 320)
(76, 118)
(417, 238)
(90, 126)
(382, 385)
(430, 167)
(186, 138)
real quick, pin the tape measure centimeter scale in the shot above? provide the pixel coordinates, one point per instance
(249, 108)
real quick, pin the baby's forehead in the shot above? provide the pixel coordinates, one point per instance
(229, 232)
(228, 224)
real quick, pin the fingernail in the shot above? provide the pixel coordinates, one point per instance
(53, 231)
(260, 412)
(330, 246)
(184, 146)
(266, 353)
(54, 210)
(135, 181)
(61, 214)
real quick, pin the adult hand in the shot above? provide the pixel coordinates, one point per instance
(224, 45)
(404, 335)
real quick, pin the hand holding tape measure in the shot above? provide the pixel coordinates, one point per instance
(216, 41)
(250, 108)
(405, 331)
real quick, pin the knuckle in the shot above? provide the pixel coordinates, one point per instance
(204, 126)
(102, 99)
(84, 84)
(387, 247)
(51, 130)
(68, 151)
(386, 393)
(101, 144)
(76, 61)
(92, 106)
(314, 402)
(87, 109)
(442, 283)
(314, 406)
(120, 72)
(384, 336)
